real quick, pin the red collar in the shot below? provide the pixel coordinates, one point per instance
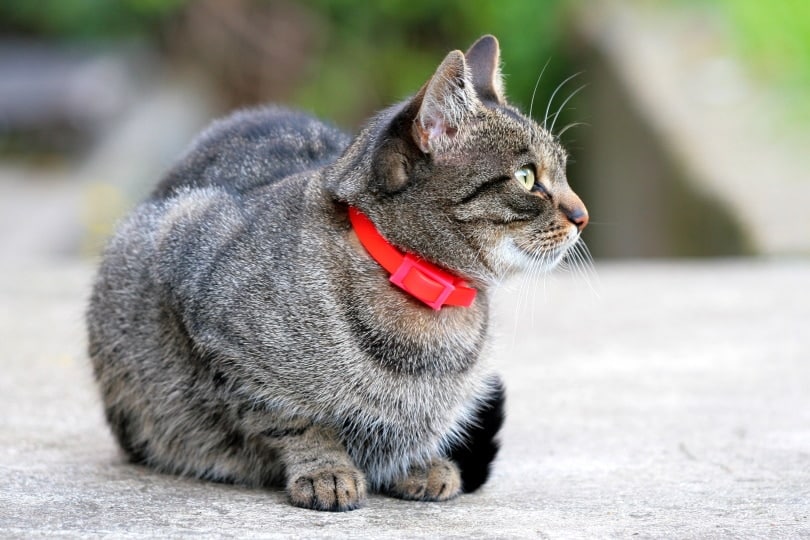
(422, 280)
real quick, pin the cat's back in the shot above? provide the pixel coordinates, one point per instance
(253, 148)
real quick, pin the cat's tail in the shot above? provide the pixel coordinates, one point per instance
(475, 452)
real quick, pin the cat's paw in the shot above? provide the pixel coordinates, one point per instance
(335, 490)
(438, 482)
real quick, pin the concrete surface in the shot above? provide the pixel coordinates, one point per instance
(675, 404)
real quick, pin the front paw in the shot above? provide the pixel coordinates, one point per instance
(335, 490)
(440, 481)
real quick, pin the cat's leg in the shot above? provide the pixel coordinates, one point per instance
(439, 481)
(470, 458)
(319, 472)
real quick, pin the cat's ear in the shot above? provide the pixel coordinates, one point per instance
(445, 103)
(484, 59)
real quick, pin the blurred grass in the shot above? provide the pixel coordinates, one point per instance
(394, 42)
(84, 19)
(345, 59)
(370, 54)
(382, 52)
(774, 37)
(773, 41)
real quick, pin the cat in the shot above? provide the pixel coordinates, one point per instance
(243, 326)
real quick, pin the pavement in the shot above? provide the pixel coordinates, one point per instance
(668, 400)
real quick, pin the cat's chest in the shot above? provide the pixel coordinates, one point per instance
(396, 419)
(404, 336)
(414, 345)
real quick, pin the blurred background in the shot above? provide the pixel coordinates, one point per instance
(690, 137)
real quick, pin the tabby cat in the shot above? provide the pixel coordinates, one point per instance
(291, 306)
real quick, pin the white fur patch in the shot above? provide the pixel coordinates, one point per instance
(510, 256)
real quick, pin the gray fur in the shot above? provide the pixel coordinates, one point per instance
(239, 332)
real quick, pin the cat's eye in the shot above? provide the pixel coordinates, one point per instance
(525, 177)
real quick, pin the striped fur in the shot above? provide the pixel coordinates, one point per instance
(239, 333)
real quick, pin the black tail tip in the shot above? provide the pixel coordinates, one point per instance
(475, 453)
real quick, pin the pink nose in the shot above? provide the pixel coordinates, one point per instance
(578, 216)
(571, 205)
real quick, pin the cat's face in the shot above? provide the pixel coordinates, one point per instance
(506, 191)
(467, 181)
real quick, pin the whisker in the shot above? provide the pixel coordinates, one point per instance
(603, 223)
(536, 84)
(528, 282)
(585, 267)
(544, 273)
(517, 310)
(538, 273)
(571, 125)
(551, 99)
(589, 257)
(531, 286)
(571, 95)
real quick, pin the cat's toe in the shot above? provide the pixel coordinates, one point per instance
(336, 490)
(438, 482)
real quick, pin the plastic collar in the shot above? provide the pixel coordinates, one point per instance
(423, 280)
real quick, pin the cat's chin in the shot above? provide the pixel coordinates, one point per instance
(518, 260)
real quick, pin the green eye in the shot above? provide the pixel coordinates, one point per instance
(525, 177)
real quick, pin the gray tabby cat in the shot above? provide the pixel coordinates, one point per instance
(241, 331)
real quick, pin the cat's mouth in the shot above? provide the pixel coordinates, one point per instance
(549, 259)
(552, 257)
(514, 256)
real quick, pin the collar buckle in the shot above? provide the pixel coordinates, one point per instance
(421, 279)
(424, 283)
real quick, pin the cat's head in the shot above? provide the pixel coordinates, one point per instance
(461, 178)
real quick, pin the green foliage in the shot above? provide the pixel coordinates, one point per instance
(774, 36)
(84, 19)
(773, 40)
(375, 53)
(369, 53)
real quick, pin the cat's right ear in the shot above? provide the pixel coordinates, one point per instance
(445, 102)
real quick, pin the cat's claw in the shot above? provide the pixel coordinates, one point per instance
(438, 482)
(335, 490)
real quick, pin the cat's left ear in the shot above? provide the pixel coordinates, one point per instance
(445, 103)
(484, 59)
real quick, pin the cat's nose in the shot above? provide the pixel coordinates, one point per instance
(577, 216)
(574, 210)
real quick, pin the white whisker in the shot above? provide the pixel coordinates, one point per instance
(569, 126)
(536, 84)
(581, 265)
(571, 95)
(551, 99)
